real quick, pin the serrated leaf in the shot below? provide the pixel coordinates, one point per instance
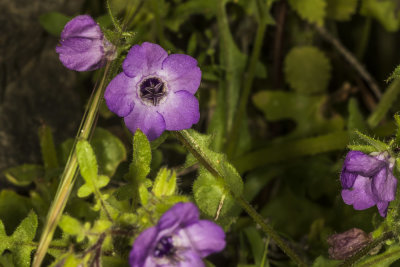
(53, 22)
(143, 194)
(165, 183)
(217, 161)
(341, 9)
(209, 193)
(307, 70)
(378, 145)
(109, 150)
(24, 175)
(363, 148)
(21, 240)
(87, 161)
(311, 10)
(140, 166)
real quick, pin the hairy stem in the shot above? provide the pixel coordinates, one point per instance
(190, 143)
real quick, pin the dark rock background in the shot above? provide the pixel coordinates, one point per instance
(35, 89)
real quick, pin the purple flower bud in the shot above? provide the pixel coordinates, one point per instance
(346, 244)
(83, 46)
(368, 181)
(179, 239)
(155, 92)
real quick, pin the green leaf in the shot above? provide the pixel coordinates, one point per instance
(87, 161)
(53, 22)
(198, 145)
(311, 10)
(48, 149)
(109, 150)
(165, 183)
(305, 110)
(256, 243)
(140, 166)
(384, 11)
(70, 225)
(211, 195)
(291, 150)
(378, 145)
(12, 203)
(24, 175)
(21, 240)
(341, 9)
(307, 70)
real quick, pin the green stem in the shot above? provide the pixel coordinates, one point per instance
(114, 21)
(69, 175)
(248, 82)
(385, 103)
(190, 143)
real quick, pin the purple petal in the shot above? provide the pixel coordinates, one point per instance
(120, 94)
(205, 237)
(384, 185)
(360, 196)
(180, 111)
(147, 119)
(144, 60)
(142, 247)
(180, 215)
(362, 164)
(81, 54)
(182, 73)
(382, 207)
(347, 178)
(190, 259)
(82, 26)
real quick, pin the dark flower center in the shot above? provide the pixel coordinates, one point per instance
(164, 247)
(152, 90)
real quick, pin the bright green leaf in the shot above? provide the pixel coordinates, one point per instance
(140, 166)
(87, 161)
(165, 183)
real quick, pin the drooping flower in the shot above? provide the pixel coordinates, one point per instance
(368, 180)
(179, 239)
(346, 244)
(155, 92)
(83, 46)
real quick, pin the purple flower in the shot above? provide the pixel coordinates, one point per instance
(179, 239)
(368, 181)
(155, 92)
(83, 46)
